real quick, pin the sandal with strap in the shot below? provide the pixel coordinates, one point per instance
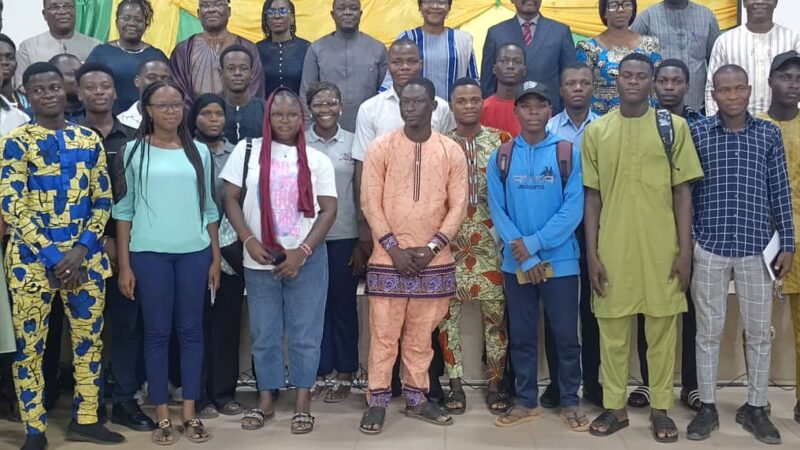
(318, 389)
(165, 432)
(456, 397)
(663, 424)
(429, 412)
(691, 399)
(302, 423)
(575, 419)
(498, 398)
(195, 431)
(640, 397)
(254, 419)
(610, 422)
(338, 392)
(374, 416)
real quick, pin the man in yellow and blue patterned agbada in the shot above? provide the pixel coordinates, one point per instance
(55, 194)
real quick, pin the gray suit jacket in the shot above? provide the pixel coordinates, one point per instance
(552, 50)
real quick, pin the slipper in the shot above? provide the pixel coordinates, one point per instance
(232, 408)
(338, 392)
(302, 423)
(258, 417)
(611, 422)
(453, 397)
(513, 417)
(165, 431)
(691, 399)
(573, 417)
(663, 424)
(375, 415)
(640, 397)
(429, 412)
(195, 431)
(209, 412)
(495, 398)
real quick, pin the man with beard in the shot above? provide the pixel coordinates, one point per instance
(195, 62)
(348, 58)
(60, 38)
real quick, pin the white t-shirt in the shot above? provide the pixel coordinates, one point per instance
(291, 227)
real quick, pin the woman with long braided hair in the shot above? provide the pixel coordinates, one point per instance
(168, 246)
(125, 54)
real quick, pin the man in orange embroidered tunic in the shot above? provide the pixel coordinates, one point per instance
(414, 196)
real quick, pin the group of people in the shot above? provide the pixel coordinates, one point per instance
(152, 192)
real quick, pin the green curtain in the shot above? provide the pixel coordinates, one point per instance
(93, 17)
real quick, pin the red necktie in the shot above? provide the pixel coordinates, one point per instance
(526, 33)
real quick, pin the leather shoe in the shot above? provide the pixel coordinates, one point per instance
(93, 432)
(551, 397)
(756, 421)
(706, 421)
(130, 415)
(740, 412)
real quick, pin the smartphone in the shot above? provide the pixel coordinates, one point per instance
(548, 270)
(278, 256)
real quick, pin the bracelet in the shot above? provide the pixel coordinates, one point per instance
(306, 249)
(248, 238)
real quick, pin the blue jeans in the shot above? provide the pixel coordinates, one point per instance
(561, 305)
(171, 288)
(294, 307)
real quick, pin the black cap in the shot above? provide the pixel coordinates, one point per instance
(782, 59)
(532, 87)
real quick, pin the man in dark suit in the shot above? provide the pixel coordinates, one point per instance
(548, 47)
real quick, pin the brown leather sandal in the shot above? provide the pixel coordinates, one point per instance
(195, 431)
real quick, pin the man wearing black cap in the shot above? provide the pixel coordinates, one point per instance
(639, 260)
(784, 80)
(541, 253)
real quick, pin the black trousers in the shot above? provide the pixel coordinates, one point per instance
(127, 348)
(221, 329)
(339, 350)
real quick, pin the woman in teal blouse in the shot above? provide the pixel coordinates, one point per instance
(167, 246)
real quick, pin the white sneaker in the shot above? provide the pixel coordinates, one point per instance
(141, 394)
(176, 394)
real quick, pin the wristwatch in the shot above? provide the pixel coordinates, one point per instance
(435, 249)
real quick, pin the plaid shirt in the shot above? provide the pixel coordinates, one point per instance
(745, 189)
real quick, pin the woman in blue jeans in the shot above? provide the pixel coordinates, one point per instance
(167, 246)
(289, 205)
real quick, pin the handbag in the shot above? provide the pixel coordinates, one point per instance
(230, 246)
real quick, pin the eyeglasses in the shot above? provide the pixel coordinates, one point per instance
(280, 12)
(619, 6)
(60, 7)
(164, 107)
(220, 4)
(325, 105)
(132, 19)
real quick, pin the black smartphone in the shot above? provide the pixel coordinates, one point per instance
(278, 256)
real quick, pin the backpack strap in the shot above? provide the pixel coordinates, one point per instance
(248, 150)
(504, 160)
(564, 153)
(666, 131)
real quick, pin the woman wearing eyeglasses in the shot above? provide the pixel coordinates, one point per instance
(124, 55)
(347, 261)
(167, 247)
(282, 52)
(604, 53)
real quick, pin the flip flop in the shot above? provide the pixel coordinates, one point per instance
(502, 420)
(429, 412)
(611, 422)
(457, 396)
(662, 424)
(375, 415)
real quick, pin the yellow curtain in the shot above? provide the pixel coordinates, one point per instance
(384, 19)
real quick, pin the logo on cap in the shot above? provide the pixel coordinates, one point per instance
(529, 85)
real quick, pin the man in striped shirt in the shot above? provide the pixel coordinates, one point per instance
(752, 46)
(686, 31)
(745, 191)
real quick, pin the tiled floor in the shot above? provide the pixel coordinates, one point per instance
(337, 428)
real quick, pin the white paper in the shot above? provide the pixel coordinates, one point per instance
(771, 252)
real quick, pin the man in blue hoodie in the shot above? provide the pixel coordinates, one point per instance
(540, 256)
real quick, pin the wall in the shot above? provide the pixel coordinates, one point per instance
(23, 19)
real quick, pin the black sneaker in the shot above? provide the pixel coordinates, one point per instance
(130, 415)
(756, 421)
(706, 421)
(94, 433)
(551, 397)
(740, 412)
(34, 442)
